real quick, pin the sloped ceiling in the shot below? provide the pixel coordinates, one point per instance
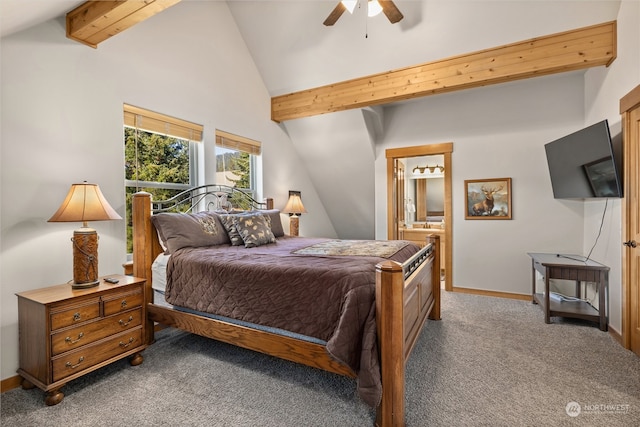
(18, 15)
(339, 145)
(293, 51)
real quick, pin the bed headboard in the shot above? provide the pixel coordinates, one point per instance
(146, 246)
(210, 198)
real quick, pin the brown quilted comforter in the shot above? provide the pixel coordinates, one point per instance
(330, 298)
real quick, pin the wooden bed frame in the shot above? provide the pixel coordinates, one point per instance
(406, 295)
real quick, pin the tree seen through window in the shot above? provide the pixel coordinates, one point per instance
(155, 163)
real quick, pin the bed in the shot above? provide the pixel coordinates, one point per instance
(391, 286)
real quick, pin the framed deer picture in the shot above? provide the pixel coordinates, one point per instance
(488, 198)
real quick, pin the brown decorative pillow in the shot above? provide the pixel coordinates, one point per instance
(274, 221)
(232, 231)
(179, 230)
(254, 230)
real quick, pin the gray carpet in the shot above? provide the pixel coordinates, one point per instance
(489, 362)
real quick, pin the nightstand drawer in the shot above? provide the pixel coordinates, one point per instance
(64, 316)
(73, 338)
(122, 302)
(89, 356)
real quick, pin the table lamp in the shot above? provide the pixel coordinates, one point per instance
(294, 207)
(83, 203)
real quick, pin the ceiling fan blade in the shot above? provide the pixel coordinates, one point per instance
(335, 14)
(391, 11)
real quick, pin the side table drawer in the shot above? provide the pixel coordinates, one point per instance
(73, 338)
(88, 356)
(122, 302)
(567, 273)
(64, 316)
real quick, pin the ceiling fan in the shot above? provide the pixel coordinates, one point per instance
(387, 6)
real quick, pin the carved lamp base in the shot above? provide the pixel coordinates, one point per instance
(294, 225)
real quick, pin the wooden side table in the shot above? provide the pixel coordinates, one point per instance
(570, 267)
(66, 333)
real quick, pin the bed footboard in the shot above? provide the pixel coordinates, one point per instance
(282, 347)
(406, 295)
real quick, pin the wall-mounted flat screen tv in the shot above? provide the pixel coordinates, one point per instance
(586, 164)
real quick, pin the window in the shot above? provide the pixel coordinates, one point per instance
(159, 156)
(236, 160)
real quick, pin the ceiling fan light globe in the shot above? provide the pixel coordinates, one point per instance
(373, 8)
(350, 5)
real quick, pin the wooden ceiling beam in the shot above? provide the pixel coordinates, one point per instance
(557, 53)
(95, 21)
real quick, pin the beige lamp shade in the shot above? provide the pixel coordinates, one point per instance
(294, 205)
(83, 203)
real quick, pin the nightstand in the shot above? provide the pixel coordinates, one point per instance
(571, 267)
(66, 333)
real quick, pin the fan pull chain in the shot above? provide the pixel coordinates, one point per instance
(366, 24)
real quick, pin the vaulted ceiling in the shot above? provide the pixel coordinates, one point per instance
(293, 51)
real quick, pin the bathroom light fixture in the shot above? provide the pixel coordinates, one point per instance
(424, 170)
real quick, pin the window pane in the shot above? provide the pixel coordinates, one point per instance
(160, 158)
(233, 168)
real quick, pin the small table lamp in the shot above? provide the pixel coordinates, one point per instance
(294, 207)
(83, 203)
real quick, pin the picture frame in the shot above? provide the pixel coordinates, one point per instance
(487, 198)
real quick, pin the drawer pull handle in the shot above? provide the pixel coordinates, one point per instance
(123, 323)
(72, 341)
(69, 365)
(76, 317)
(123, 304)
(125, 345)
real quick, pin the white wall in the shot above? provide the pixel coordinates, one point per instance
(500, 131)
(337, 153)
(62, 123)
(497, 132)
(603, 89)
